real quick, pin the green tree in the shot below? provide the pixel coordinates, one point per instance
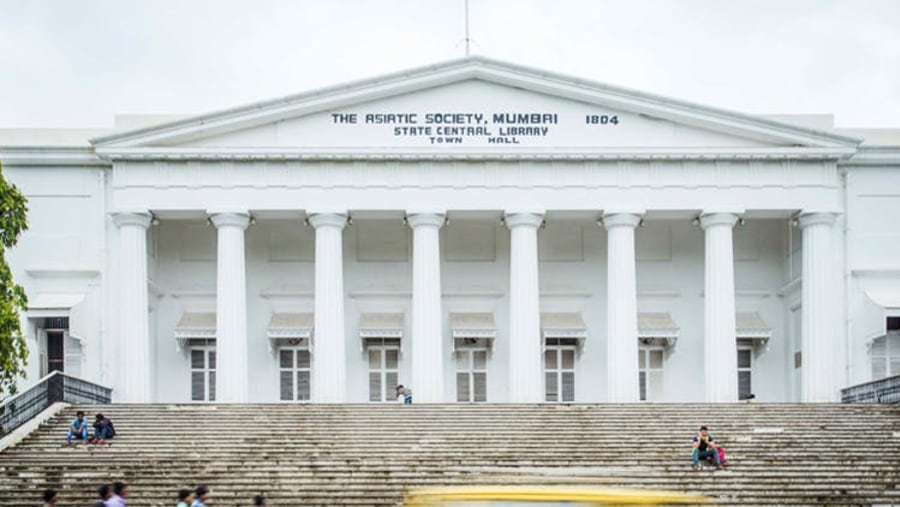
(13, 350)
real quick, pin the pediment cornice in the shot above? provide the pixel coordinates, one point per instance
(477, 68)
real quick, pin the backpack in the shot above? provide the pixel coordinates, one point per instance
(721, 451)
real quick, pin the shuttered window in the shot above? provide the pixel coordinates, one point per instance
(294, 374)
(384, 361)
(650, 368)
(471, 375)
(559, 371)
(885, 356)
(73, 356)
(745, 370)
(203, 373)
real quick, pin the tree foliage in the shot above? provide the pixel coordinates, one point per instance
(13, 302)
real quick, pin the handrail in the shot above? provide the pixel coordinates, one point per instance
(886, 390)
(55, 387)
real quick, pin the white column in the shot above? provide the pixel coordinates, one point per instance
(621, 308)
(135, 382)
(720, 342)
(427, 337)
(329, 359)
(818, 308)
(526, 380)
(232, 376)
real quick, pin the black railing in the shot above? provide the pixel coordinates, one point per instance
(886, 390)
(17, 410)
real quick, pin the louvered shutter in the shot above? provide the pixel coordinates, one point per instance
(462, 386)
(480, 387)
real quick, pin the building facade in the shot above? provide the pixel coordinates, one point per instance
(479, 231)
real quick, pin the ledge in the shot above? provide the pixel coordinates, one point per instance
(62, 272)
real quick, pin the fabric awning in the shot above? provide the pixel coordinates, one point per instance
(657, 326)
(195, 326)
(749, 325)
(381, 325)
(294, 328)
(473, 325)
(564, 325)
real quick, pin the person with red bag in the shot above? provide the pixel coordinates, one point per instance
(705, 447)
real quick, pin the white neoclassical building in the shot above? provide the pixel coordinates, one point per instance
(477, 230)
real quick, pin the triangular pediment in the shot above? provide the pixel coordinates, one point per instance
(473, 105)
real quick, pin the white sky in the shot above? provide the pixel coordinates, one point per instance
(78, 63)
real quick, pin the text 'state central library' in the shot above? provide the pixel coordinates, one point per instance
(476, 230)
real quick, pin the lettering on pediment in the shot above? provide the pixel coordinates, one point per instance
(475, 114)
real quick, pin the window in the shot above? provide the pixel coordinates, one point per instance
(294, 374)
(745, 369)
(471, 374)
(650, 366)
(559, 370)
(203, 372)
(885, 355)
(384, 359)
(73, 356)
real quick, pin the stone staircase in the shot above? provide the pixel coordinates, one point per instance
(370, 454)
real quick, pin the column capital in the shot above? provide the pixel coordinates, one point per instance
(807, 218)
(717, 218)
(229, 218)
(139, 218)
(619, 219)
(338, 220)
(429, 219)
(523, 218)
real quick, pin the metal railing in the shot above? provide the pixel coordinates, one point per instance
(886, 390)
(55, 387)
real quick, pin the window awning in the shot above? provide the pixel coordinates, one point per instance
(195, 326)
(750, 326)
(74, 307)
(381, 325)
(473, 325)
(472, 329)
(294, 328)
(563, 325)
(657, 327)
(877, 304)
(52, 305)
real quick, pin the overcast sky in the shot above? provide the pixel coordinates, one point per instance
(78, 63)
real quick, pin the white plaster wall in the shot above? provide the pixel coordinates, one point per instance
(63, 251)
(873, 256)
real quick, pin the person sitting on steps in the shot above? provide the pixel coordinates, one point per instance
(704, 446)
(405, 392)
(78, 429)
(103, 429)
